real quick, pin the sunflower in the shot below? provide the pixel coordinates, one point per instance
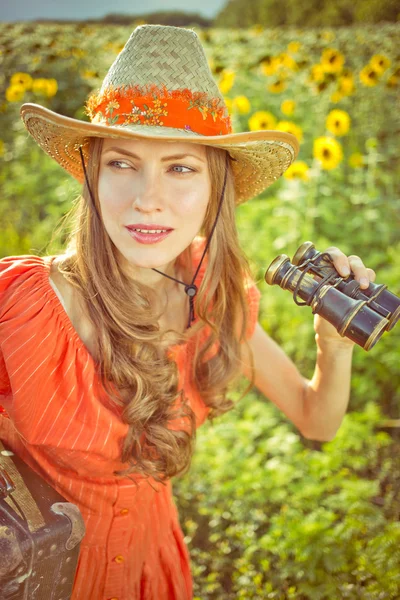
(262, 119)
(23, 79)
(114, 47)
(293, 47)
(393, 82)
(45, 87)
(292, 128)
(228, 103)
(336, 97)
(321, 86)
(338, 122)
(78, 52)
(328, 151)
(369, 76)
(297, 170)
(380, 63)
(52, 87)
(241, 104)
(346, 84)
(287, 107)
(286, 61)
(15, 93)
(317, 73)
(256, 29)
(332, 60)
(226, 81)
(277, 87)
(396, 72)
(328, 36)
(39, 86)
(88, 74)
(269, 65)
(356, 160)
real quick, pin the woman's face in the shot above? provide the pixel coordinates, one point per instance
(145, 184)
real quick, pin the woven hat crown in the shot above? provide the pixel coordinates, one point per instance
(162, 71)
(161, 55)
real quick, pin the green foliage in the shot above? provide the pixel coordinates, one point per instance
(176, 18)
(34, 199)
(265, 517)
(314, 13)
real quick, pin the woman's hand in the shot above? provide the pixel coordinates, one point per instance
(341, 262)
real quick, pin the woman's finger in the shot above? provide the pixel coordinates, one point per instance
(351, 264)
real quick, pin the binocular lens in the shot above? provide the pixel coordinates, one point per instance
(351, 318)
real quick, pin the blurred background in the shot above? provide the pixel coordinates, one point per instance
(266, 513)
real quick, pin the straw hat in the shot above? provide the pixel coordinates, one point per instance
(160, 87)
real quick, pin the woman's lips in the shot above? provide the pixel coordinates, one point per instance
(148, 238)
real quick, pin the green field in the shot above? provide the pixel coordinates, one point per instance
(266, 513)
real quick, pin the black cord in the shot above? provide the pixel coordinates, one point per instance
(327, 278)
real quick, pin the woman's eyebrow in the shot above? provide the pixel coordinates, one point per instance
(164, 159)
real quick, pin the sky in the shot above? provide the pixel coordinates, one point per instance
(25, 10)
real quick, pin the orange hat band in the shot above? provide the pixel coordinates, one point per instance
(151, 105)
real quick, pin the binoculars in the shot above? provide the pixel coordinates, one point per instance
(360, 315)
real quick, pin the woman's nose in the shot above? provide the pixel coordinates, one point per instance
(149, 196)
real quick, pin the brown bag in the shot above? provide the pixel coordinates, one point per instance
(40, 535)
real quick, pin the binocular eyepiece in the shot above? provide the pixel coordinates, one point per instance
(360, 315)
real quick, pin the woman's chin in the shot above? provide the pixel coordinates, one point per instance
(148, 262)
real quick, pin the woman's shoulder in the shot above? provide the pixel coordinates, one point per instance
(24, 283)
(32, 311)
(12, 265)
(59, 283)
(17, 270)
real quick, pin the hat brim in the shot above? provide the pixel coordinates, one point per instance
(261, 156)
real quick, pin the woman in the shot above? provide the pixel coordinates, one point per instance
(116, 351)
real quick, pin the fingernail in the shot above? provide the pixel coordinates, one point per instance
(345, 270)
(364, 281)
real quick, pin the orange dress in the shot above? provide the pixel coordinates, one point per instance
(58, 419)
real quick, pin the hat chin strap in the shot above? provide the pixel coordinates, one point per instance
(190, 289)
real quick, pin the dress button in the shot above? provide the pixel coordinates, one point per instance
(112, 598)
(119, 558)
(124, 511)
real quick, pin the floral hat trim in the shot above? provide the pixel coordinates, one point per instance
(154, 105)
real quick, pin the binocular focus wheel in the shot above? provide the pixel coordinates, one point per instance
(301, 252)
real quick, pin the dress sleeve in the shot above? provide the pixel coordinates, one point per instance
(7, 277)
(21, 280)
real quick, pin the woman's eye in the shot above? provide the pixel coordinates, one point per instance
(189, 170)
(113, 164)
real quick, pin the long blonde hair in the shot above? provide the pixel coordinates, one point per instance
(128, 340)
